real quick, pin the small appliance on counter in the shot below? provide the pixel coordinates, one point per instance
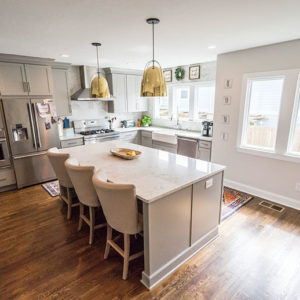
(207, 129)
(127, 123)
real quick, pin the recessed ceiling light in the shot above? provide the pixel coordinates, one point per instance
(65, 55)
(212, 47)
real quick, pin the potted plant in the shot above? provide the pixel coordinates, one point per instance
(146, 121)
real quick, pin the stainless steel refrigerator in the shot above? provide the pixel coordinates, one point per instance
(31, 134)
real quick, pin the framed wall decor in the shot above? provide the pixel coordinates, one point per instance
(168, 75)
(194, 72)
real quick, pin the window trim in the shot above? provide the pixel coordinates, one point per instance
(296, 109)
(290, 75)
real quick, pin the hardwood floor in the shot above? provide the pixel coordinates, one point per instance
(42, 256)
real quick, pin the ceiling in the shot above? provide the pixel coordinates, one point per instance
(50, 28)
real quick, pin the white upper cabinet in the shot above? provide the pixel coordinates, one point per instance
(12, 79)
(117, 87)
(61, 94)
(39, 80)
(142, 102)
(125, 89)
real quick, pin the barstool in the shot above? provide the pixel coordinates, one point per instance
(57, 161)
(120, 208)
(81, 177)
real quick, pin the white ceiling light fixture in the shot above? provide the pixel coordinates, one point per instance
(153, 82)
(212, 47)
(65, 55)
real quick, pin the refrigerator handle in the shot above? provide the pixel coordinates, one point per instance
(37, 126)
(32, 126)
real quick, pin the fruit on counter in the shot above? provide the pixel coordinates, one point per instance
(131, 153)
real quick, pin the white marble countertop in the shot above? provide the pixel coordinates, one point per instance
(155, 173)
(71, 137)
(168, 131)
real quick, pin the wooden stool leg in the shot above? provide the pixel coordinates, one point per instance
(81, 213)
(92, 224)
(69, 204)
(126, 255)
(108, 238)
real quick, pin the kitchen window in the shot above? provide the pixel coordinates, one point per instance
(188, 102)
(182, 101)
(270, 115)
(294, 140)
(205, 100)
(263, 98)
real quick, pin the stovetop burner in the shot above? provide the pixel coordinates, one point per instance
(99, 131)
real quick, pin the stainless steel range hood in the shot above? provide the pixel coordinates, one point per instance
(84, 93)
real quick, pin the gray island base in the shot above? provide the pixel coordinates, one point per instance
(181, 201)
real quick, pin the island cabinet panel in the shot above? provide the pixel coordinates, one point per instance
(206, 205)
(167, 233)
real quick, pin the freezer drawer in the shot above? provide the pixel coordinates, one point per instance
(33, 169)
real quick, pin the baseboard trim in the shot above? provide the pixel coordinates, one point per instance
(287, 201)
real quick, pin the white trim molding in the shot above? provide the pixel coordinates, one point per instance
(287, 201)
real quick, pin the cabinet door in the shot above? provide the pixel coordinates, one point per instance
(132, 97)
(142, 102)
(61, 92)
(117, 86)
(39, 79)
(12, 79)
(204, 154)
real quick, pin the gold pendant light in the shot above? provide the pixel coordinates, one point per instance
(99, 85)
(153, 83)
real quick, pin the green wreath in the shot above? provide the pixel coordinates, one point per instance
(179, 73)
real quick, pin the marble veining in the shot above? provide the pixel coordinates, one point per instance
(155, 173)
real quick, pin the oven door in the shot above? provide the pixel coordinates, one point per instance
(4, 155)
(102, 139)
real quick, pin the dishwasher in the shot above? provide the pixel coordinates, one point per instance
(187, 147)
(194, 148)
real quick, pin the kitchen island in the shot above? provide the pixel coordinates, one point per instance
(181, 199)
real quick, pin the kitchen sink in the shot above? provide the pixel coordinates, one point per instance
(165, 136)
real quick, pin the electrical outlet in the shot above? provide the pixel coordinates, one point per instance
(209, 183)
(298, 186)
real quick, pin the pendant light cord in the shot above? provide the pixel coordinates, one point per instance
(153, 45)
(98, 70)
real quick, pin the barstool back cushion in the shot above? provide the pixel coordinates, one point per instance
(81, 177)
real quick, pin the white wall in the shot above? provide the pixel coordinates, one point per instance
(269, 178)
(207, 73)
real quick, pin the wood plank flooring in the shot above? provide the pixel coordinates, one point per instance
(42, 256)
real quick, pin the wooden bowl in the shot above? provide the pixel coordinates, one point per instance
(123, 153)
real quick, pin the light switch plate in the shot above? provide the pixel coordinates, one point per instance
(209, 183)
(224, 136)
(225, 119)
(227, 100)
(228, 83)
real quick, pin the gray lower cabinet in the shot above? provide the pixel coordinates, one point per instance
(146, 138)
(130, 137)
(164, 146)
(71, 142)
(204, 150)
(206, 206)
(61, 94)
(7, 177)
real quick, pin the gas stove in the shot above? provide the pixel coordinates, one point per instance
(95, 131)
